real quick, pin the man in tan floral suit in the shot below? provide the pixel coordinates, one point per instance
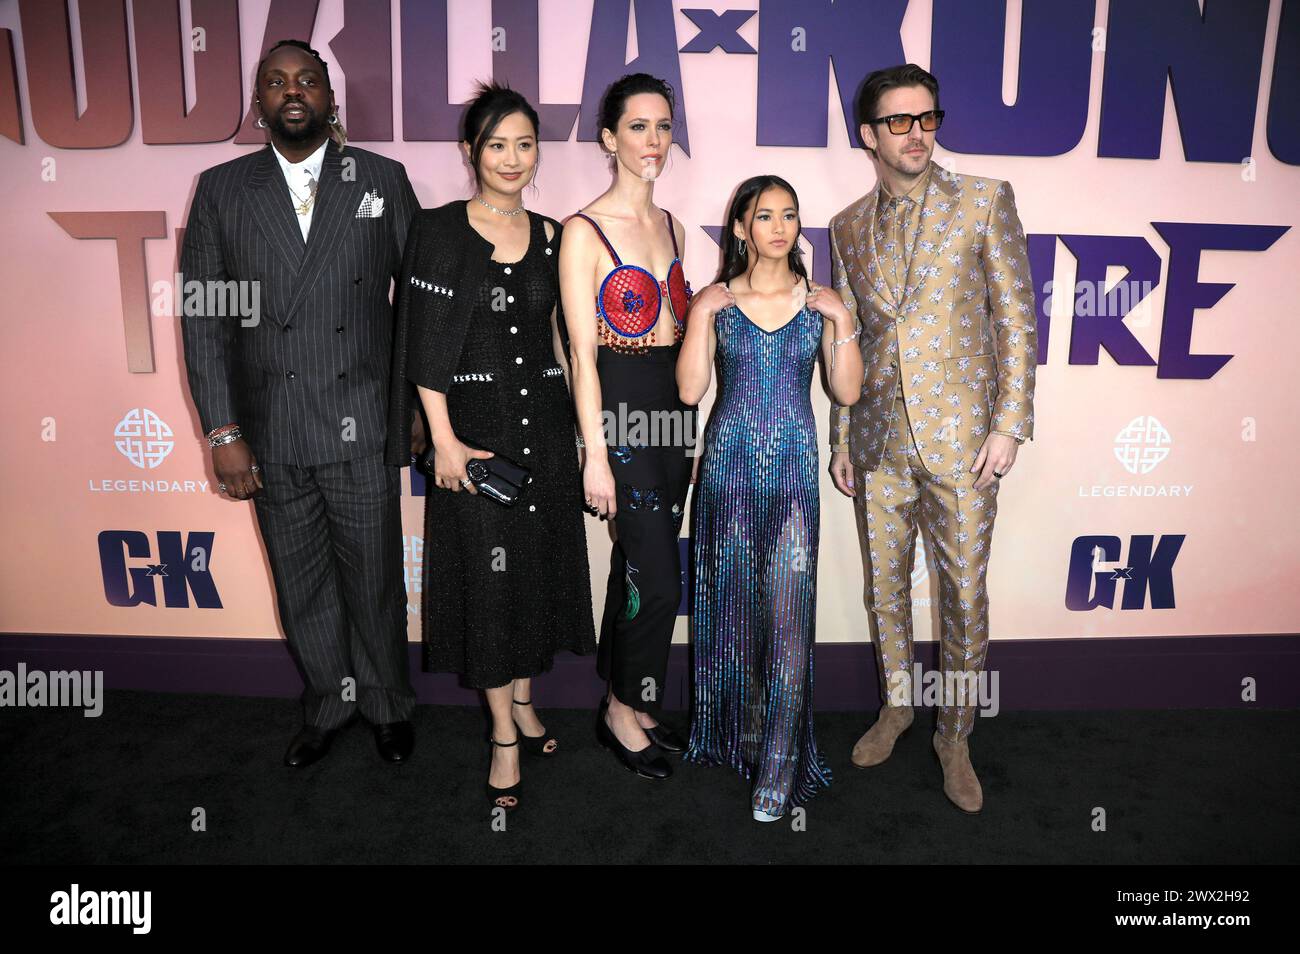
(936, 267)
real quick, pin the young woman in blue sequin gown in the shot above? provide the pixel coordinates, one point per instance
(756, 516)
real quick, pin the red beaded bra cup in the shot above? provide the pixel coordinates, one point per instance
(629, 299)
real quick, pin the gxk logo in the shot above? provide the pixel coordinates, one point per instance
(183, 568)
(144, 438)
(1095, 568)
(1142, 444)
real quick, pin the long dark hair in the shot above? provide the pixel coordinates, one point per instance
(492, 103)
(746, 197)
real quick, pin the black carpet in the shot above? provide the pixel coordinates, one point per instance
(1177, 787)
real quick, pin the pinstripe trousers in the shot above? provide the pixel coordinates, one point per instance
(333, 533)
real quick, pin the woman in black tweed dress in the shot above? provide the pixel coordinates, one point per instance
(505, 588)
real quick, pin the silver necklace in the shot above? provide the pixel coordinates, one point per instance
(518, 211)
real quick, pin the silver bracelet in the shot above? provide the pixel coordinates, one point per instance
(836, 343)
(579, 441)
(229, 437)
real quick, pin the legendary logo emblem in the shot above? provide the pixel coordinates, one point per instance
(1142, 444)
(144, 438)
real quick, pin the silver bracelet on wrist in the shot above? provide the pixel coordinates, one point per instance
(228, 437)
(839, 341)
(578, 441)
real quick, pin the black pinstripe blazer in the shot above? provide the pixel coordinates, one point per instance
(306, 380)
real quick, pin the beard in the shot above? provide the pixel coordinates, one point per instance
(908, 165)
(310, 128)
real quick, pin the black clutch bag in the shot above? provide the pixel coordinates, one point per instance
(497, 477)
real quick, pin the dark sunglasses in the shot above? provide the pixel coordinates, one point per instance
(900, 124)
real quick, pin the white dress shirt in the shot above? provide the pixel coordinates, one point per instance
(301, 178)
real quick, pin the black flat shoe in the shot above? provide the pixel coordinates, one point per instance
(507, 798)
(670, 740)
(309, 745)
(536, 744)
(647, 763)
(395, 740)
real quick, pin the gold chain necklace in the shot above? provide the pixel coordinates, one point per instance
(304, 205)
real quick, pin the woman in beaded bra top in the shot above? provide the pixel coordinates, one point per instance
(625, 300)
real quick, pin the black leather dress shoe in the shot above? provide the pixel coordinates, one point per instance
(395, 740)
(670, 740)
(308, 746)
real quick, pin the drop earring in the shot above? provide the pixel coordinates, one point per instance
(260, 123)
(741, 247)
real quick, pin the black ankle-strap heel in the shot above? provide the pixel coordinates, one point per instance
(514, 791)
(536, 744)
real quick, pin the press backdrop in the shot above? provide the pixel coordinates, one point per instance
(1153, 148)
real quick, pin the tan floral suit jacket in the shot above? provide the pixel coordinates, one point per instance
(961, 332)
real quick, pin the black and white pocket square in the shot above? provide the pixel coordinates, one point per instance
(371, 207)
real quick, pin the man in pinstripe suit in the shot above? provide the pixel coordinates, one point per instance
(294, 400)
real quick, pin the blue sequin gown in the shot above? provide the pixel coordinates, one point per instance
(756, 531)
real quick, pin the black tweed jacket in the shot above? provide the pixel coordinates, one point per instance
(442, 269)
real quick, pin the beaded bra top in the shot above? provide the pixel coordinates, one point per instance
(629, 298)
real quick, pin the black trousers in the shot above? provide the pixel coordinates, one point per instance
(651, 465)
(333, 533)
